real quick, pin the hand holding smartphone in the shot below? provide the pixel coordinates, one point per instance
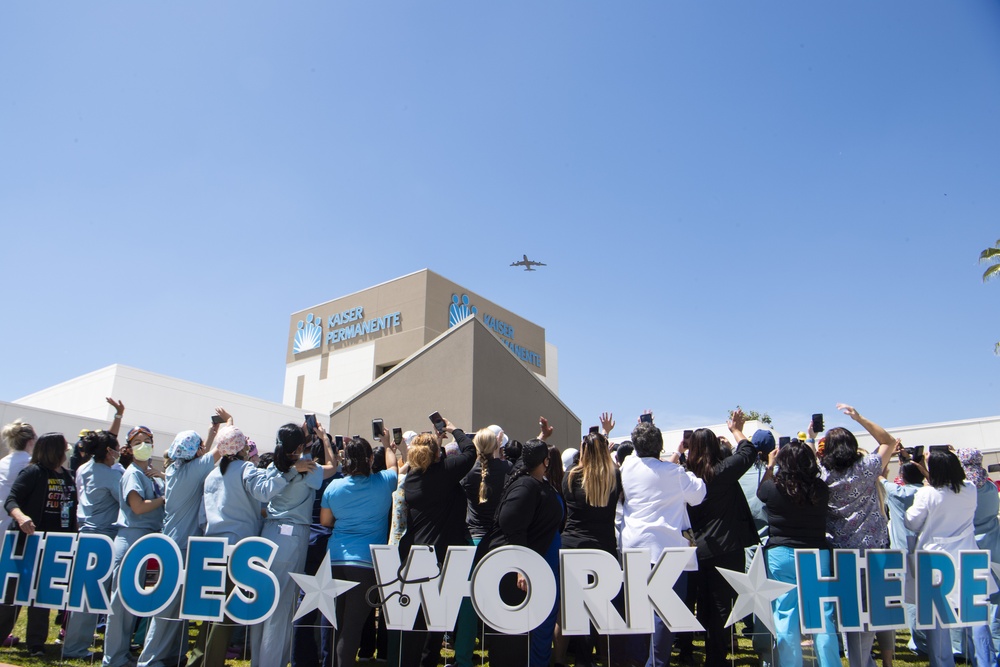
(438, 421)
(377, 428)
(397, 436)
(310, 424)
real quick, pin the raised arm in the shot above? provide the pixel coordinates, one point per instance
(116, 423)
(887, 444)
(391, 460)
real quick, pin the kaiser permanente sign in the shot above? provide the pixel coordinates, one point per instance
(62, 570)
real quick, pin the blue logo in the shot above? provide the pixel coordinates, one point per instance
(309, 336)
(459, 309)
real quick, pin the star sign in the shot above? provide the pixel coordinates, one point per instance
(755, 591)
(321, 591)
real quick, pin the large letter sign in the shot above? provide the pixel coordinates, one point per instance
(71, 571)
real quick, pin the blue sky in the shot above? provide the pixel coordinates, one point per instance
(777, 204)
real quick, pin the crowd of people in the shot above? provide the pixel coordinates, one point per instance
(324, 501)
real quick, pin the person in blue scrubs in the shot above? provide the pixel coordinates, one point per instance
(140, 512)
(98, 488)
(192, 461)
(234, 492)
(289, 515)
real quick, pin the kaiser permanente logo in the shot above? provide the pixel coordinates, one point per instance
(309, 335)
(341, 327)
(460, 309)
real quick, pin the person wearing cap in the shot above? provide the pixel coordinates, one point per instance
(233, 493)
(528, 515)
(140, 512)
(987, 528)
(191, 461)
(99, 493)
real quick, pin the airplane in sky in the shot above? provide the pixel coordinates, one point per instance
(527, 263)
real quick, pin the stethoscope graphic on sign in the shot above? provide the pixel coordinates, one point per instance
(404, 600)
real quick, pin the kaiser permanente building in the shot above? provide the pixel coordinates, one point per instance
(420, 343)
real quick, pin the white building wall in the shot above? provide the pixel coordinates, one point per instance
(164, 404)
(349, 371)
(551, 377)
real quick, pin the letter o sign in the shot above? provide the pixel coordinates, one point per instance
(535, 608)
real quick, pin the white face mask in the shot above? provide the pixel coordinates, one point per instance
(142, 452)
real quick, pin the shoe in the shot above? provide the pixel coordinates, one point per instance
(11, 641)
(37, 652)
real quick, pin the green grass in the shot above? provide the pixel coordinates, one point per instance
(745, 656)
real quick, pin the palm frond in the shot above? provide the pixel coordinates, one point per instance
(989, 255)
(991, 272)
(996, 349)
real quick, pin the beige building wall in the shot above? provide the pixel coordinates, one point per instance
(471, 378)
(334, 360)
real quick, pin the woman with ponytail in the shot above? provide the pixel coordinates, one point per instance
(289, 516)
(357, 507)
(484, 484)
(98, 488)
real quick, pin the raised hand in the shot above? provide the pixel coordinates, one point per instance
(607, 422)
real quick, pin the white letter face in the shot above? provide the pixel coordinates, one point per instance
(535, 608)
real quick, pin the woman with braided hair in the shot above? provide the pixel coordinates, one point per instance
(484, 484)
(483, 488)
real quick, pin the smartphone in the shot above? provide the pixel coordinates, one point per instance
(438, 422)
(915, 452)
(646, 417)
(338, 441)
(595, 429)
(784, 440)
(310, 424)
(397, 436)
(688, 433)
(940, 448)
(817, 423)
(217, 419)
(993, 467)
(306, 456)
(377, 429)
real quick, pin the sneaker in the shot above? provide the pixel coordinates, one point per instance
(11, 641)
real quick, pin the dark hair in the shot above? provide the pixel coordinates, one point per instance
(841, 450)
(265, 459)
(357, 453)
(911, 473)
(555, 471)
(797, 473)
(49, 451)
(521, 467)
(512, 452)
(226, 460)
(378, 459)
(125, 457)
(97, 444)
(624, 449)
(943, 469)
(704, 451)
(318, 451)
(647, 440)
(290, 438)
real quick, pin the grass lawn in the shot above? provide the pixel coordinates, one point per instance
(745, 657)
